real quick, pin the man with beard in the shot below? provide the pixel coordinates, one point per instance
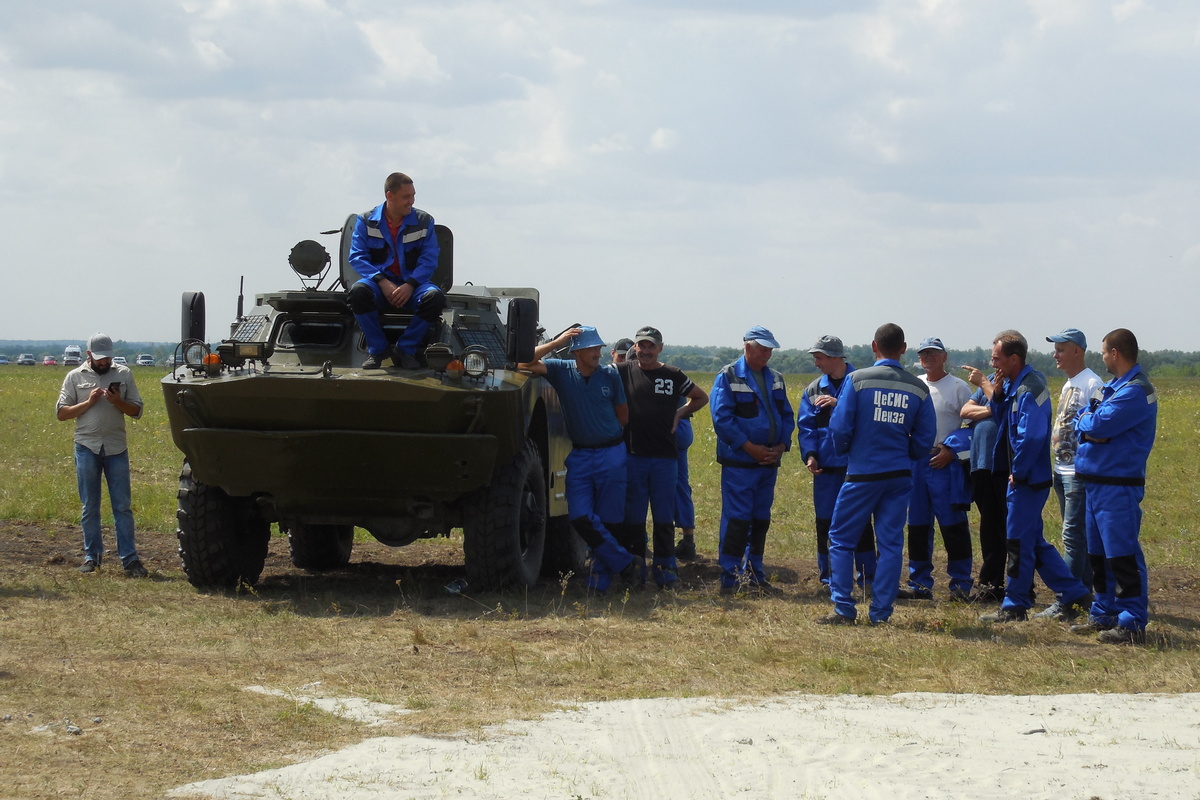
(98, 395)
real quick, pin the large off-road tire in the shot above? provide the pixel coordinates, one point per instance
(222, 539)
(319, 547)
(566, 553)
(504, 533)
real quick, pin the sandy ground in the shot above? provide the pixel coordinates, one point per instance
(1106, 747)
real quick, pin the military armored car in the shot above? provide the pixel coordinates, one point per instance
(279, 424)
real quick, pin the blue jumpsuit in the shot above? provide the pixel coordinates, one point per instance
(742, 413)
(883, 421)
(1022, 410)
(595, 482)
(373, 254)
(1115, 441)
(815, 439)
(685, 509)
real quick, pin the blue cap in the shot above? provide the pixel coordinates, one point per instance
(587, 337)
(761, 335)
(1073, 335)
(932, 343)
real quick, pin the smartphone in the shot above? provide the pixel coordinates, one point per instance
(114, 387)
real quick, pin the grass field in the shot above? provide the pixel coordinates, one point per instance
(153, 672)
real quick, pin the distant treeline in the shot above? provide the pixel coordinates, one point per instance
(1164, 363)
(130, 350)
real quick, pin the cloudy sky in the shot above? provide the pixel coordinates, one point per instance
(815, 167)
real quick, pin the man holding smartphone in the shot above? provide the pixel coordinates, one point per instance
(98, 395)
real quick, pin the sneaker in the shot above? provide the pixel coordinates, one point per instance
(373, 362)
(686, 549)
(135, 569)
(1092, 625)
(918, 593)
(1065, 612)
(405, 360)
(836, 619)
(1005, 615)
(1121, 635)
(89, 566)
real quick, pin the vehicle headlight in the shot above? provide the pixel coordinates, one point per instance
(475, 362)
(194, 353)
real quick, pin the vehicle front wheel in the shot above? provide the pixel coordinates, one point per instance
(222, 539)
(504, 534)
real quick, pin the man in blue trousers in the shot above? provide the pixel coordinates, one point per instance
(1115, 438)
(883, 422)
(1021, 406)
(596, 412)
(753, 421)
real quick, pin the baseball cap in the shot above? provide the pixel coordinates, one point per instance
(1073, 335)
(761, 335)
(100, 345)
(932, 343)
(830, 346)
(623, 345)
(587, 337)
(648, 334)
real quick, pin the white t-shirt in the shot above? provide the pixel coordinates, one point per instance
(948, 395)
(1076, 393)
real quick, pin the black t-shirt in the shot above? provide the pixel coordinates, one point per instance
(653, 396)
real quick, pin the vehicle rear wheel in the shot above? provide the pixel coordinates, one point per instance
(222, 539)
(504, 535)
(319, 547)
(565, 551)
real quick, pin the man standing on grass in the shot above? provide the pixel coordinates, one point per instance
(1116, 434)
(938, 486)
(1021, 406)
(883, 422)
(98, 395)
(753, 421)
(827, 465)
(1070, 347)
(655, 391)
(596, 412)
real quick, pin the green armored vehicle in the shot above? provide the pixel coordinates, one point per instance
(279, 424)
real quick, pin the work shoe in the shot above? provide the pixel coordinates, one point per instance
(135, 569)
(631, 574)
(836, 619)
(666, 578)
(961, 596)
(1092, 625)
(405, 360)
(1005, 615)
(918, 593)
(373, 362)
(1065, 612)
(728, 591)
(766, 588)
(89, 566)
(686, 549)
(1121, 635)
(988, 594)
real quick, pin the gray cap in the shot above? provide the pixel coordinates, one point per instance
(100, 345)
(830, 346)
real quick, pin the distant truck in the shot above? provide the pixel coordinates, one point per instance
(72, 356)
(279, 424)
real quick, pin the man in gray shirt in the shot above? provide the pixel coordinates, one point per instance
(98, 395)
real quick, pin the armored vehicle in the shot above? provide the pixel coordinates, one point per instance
(279, 424)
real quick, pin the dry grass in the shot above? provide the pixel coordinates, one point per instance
(163, 667)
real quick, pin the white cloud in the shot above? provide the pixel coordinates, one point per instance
(404, 57)
(664, 139)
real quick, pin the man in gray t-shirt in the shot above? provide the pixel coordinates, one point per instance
(98, 395)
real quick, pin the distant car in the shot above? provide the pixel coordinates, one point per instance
(145, 360)
(49, 361)
(26, 360)
(120, 360)
(3, 360)
(72, 356)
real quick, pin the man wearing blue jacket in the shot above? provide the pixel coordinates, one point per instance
(753, 421)
(827, 465)
(883, 422)
(1115, 438)
(394, 248)
(1020, 405)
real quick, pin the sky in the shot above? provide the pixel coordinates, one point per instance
(817, 167)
